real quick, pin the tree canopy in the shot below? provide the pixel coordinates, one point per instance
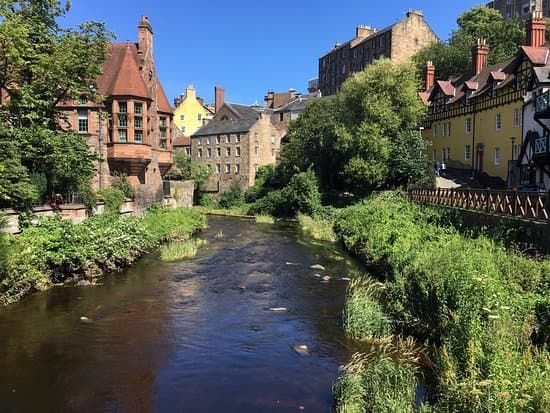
(365, 137)
(42, 65)
(453, 57)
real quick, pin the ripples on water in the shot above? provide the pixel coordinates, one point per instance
(191, 336)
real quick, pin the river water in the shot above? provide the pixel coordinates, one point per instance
(192, 336)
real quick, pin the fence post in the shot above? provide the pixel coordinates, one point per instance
(487, 196)
(438, 196)
(514, 201)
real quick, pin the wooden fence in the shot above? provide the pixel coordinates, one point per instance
(527, 205)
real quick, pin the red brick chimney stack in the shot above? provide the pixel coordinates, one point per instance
(536, 30)
(219, 93)
(429, 75)
(480, 53)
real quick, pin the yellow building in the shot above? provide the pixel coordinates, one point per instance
(191, 113)
(475, 120)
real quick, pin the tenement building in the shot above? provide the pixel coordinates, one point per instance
(520, 8)
(191, 112)
(475, 120)
(236, 142)
(397, 42)
(131, 130)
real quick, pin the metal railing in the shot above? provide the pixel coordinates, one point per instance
(522, 204)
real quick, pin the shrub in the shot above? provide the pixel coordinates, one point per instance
(317, 228)
(204, 200)
(233, 197)
(175, 251)
(114, 198)
(120, 181)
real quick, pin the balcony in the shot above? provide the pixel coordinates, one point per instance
(128, 157)
(541, 148)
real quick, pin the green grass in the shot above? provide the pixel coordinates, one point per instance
(175, 251)
(240, 211)
(317, 228)
(264, 219)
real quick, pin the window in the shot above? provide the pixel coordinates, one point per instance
(199, 117)
(209, 152)
(227, 138)
(188, 151)
(467, 152)
(238, 138)
(237, 168)
(256, 151)
(182, 117)
(256, 137)
(163, 144)
(519, 81)
(272, 139)
(281, 116)
(218, 168)
(382, 42)
(227, 151)
(163, 133)
(218, 152)
(515, 151)
(446, 154)
(208, 140)
(256, 168)
(122, 107)
(498, 121)
(138, 108)
(163, 121)
(447, 129)
(199, 153)
(122, 135)
(138, 122)
(273, 153)
(82, 121)
(122, 121)
(182, 129)
(468, 125)
(434, 131)
(218, 140)
(138, 136)
(517, 117)
(199, 141)
(238, 151)
(497, 156)
(227, 168)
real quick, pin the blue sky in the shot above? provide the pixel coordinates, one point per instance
(251, 46)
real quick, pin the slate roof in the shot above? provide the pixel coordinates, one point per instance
(245, 117)
(298, 104)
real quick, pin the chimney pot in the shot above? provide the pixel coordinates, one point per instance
(480, 53)
(536, 30)
(429, 74)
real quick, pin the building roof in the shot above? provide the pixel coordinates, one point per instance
(120, 74)
(162, 100)
(537, 55)
(299, 103)
(245, 117)
(181, 140)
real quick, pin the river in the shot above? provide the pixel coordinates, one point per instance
(192, 336)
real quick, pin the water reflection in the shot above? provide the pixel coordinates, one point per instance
(191, 336)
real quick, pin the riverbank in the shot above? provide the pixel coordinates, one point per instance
(481, 310)
(56, 251)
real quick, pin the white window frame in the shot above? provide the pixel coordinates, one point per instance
(498, 122)
(468, 125)
(467, 153)
(496, 156)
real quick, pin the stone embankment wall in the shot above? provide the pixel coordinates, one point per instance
(179, 195)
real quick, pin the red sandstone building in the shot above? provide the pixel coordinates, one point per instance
(131, 130)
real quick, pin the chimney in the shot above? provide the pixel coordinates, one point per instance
(219, 96)
(145, 36)
(269, 99)
(364, 31)
(429, 75)
(190, 92)
(292, 93)
(479, 55)
(536, 30)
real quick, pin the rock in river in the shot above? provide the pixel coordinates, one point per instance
(317, 267)
(278, 309)
(301, 349)
(83, 283)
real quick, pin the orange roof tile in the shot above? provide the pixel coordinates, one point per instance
(537, 55)
(162, 100)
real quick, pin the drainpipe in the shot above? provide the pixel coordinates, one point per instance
(100, 151)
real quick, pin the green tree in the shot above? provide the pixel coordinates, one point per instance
(41, 66)
(365, 137)
(191, 170)
(453, 58)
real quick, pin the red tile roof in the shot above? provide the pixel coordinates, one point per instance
(162, 100)
(181, 141)
(121, 74)
(537, 55)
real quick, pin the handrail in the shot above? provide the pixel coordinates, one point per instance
(522, 204)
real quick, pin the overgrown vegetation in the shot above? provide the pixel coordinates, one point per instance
(481, 309)
(178, 250)
(318, 228)
(57, 250)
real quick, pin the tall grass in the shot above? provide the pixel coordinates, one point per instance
(482, 308)
(175, 251)
(317, 228)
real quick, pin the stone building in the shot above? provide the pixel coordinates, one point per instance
(397, 42)
(236, 142)
(131, 130)
(520, 8)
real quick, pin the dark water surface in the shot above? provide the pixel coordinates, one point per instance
(192, 336)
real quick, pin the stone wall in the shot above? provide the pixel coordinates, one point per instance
(180, 193)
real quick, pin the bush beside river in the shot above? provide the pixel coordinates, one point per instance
(57, 250)
(482, 310)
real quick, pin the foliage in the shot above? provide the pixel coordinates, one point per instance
(189, 169)
(233, 197)
(453, 57)
(57, 250)
(205, 200)
(175, 251)
(41, 66)
(366, 137)
(120, 181)
(475, 302)
(300, 195)
(262, 184)
(264, 219)
(114, 198)
(317, 228)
